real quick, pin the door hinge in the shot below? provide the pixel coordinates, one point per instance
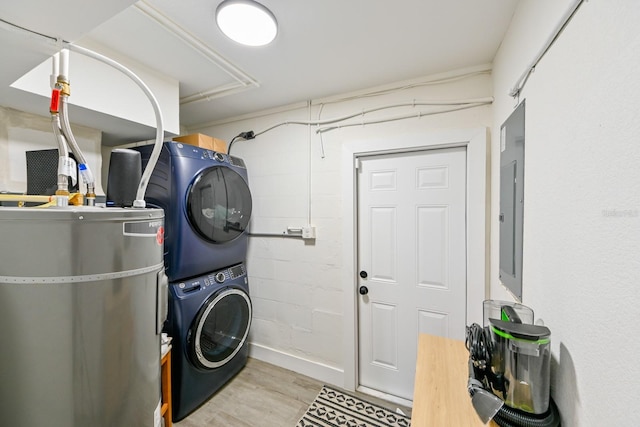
(356, 163)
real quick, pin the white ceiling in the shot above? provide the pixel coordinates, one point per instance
(323, 47)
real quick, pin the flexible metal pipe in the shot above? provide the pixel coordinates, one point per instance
(62, 194)
(85, 170)
(66, 130)
(63, 84)
(63, 161)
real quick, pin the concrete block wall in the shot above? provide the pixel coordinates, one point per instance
(298, 287)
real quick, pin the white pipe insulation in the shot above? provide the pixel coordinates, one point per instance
(55, 70)
(64, 65)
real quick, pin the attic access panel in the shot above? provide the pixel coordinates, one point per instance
(511, 200)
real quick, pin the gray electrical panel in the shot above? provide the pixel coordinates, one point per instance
(511, 200)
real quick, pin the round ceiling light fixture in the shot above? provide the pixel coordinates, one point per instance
(246, 22)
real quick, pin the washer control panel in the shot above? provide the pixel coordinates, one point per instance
(216, 278)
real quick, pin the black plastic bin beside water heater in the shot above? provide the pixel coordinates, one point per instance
(509, 368)
(125, 171)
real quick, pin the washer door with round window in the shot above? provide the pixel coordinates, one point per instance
(219, 205)
(220, 329)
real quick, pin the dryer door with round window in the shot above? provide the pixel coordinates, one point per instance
(220, 329)
(219, 204)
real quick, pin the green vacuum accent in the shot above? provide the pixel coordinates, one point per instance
(511, 337)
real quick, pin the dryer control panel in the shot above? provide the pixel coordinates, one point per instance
(186, 150)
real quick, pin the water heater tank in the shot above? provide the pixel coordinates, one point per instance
(82, 300)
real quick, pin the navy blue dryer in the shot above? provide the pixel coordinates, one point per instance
(207, 205)
(209, 320)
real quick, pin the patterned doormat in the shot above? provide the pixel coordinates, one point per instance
(332, 408)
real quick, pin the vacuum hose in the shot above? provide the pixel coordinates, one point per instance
(509, 417)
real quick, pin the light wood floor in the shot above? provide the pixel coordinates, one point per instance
(264, 395)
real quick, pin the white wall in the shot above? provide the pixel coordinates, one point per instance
(298, 287)
(20, 132)
(582, 199)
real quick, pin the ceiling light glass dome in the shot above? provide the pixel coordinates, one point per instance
(246, 22)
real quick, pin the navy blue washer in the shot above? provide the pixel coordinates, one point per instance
(207, 205)
(209, 320)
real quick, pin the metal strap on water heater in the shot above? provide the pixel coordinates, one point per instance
(82, 278)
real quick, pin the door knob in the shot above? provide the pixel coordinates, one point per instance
(363, 274)
(363, 290)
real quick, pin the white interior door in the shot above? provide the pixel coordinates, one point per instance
(411, 259)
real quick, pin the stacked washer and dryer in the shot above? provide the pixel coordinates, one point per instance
(207, 205)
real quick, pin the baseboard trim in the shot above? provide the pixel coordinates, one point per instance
(319, 371)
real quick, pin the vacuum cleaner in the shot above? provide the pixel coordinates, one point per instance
(509, 368)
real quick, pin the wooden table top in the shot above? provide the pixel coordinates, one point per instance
(440, 396)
